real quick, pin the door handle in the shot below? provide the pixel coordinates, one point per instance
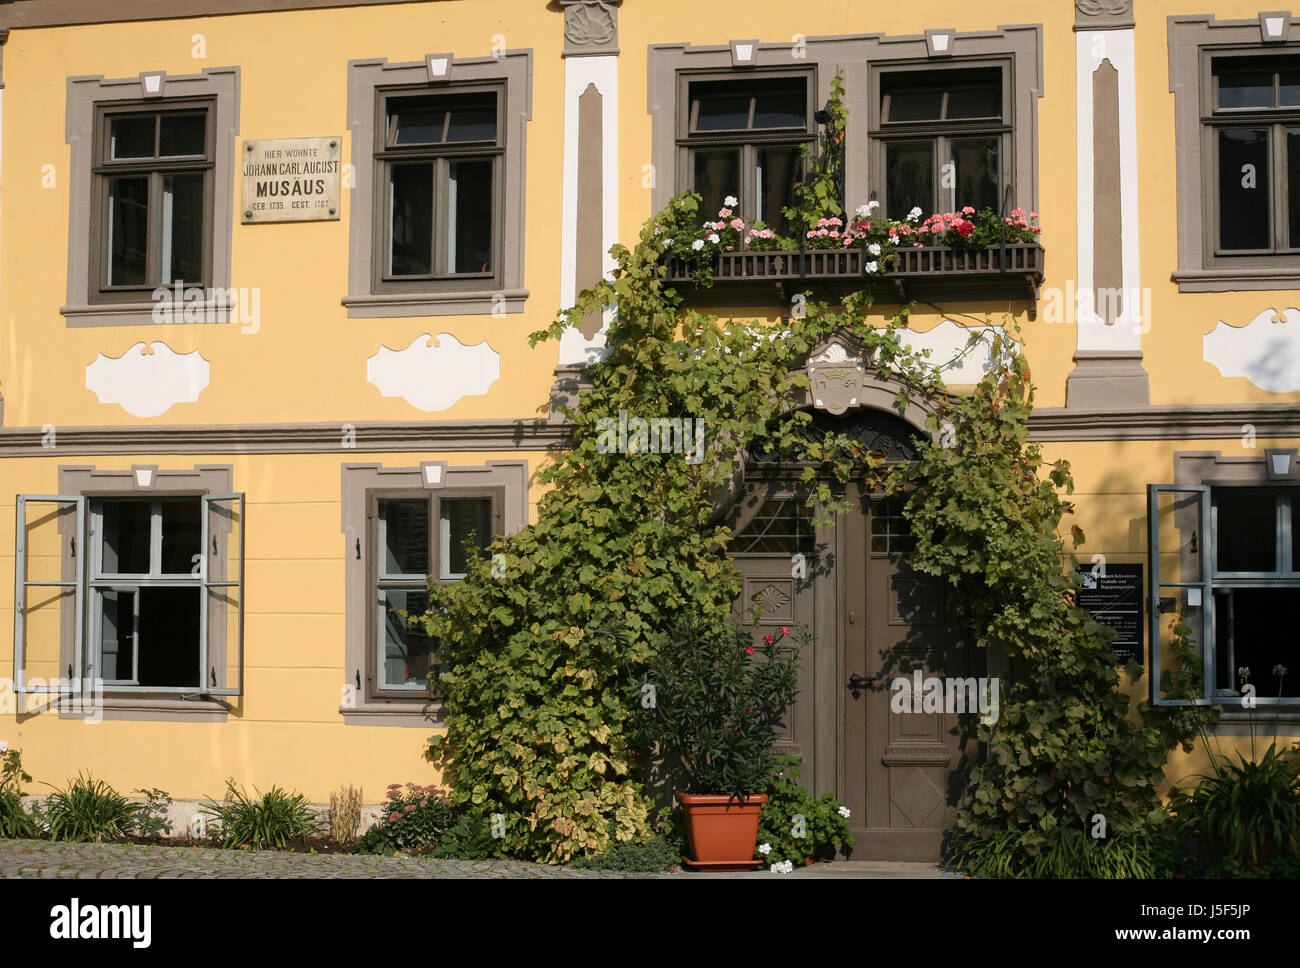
(857, 682)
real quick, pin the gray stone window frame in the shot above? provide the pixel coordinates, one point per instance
(92, 483)
(858, 55)
(1193, 43)
(367, 78)
(1212, 469)
(362, 486)
(87, 96)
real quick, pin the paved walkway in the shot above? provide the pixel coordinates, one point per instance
(43, 859)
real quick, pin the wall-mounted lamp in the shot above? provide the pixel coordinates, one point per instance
(744, 53)
(438, 66)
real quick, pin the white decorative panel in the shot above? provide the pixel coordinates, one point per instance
(948, 343)
(433, 373)
(1266, 351)
(146, 381)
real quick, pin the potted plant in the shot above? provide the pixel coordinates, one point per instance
(795, 827)
(711, 701)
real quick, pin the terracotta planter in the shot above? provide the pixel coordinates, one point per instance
(721, 831)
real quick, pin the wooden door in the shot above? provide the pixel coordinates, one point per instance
(902, 772)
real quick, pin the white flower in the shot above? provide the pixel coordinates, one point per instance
(871, 266)
(862, 211)
(1279, 671)
(845, 812)
(872, 206)
(914, 214)
(713, 237)
(730, 201)
(697, 244)
(874, 248)
(783, 867)
(765, 848)
(667, 243)
(4, 748)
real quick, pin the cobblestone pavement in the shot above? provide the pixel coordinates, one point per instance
(43, 859)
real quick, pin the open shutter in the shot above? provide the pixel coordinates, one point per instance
(1179, 539)
(49, 592)
(221, 618)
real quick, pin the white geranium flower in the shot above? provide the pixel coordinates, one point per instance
(697, 244)
(730, 201)
(765, 848)
(872, 206)
(4, 748)
(845, 812)
(862, 211)
(667, 243)
(783, 867)
(713, 237)
(914, 214)
(874, 248)
(1279, 671)
(872, 266)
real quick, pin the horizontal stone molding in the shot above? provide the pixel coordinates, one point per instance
(1188, 422)
(306, 438)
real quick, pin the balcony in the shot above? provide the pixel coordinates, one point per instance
(923, 273)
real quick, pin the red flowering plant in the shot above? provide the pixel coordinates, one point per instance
(712, 699)
(415, 818)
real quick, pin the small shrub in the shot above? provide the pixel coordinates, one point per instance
(345, 814)
(1071, 854)
(416, 820)
(824, 827)
(656, 854)
(14, 820)
(269, 821)
(470, 838)
(151, 817)
(89, 810)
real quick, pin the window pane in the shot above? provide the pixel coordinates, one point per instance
(910, 177)
(410, 206)
(977, 174)
(1246, 89)
(781, 105)
(1246, 531)
(183, 134)
(717, 175)
(181, 535)
(128, 231)
(131, 137)
(1247, 621)
(1243, 189)
(418, 120)
(182, 239)
(126, 526)
(1293, 186)
(1290, 89)
(462, 517)
(405, 537)
(473, 118)
(169, 636)
(779, 170)
(469, 216)
(116, 635)
(974, 102)
(913, 105)
(720, 106)
(403, 651)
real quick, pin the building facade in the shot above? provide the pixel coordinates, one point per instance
(267, 278)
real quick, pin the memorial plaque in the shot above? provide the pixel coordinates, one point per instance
(291, 179)
(1114, 597)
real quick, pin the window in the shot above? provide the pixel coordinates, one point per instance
(152, 195)
(408, 552)
(437, 214)
(1254, 126)
(942, 139)
(743, 137)
(439, 161)
(403, 526)
(153, 199)
(1256, 582)
(1226, 558)
(141, 591)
